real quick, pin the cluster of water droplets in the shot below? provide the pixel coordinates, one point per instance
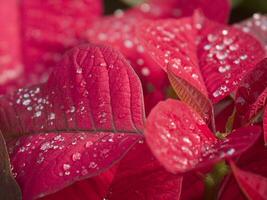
(256, 26)
(78, 153)
(222, 50)
(33, 102)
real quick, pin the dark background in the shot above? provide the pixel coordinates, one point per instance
(242, 9)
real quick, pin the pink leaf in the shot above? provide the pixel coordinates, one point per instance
(256, 27)
(140, 176)
(181, 141)
(46, 163)
(254, 186)
(39, 32)
(211, 57)
(97, 92)
(252, 92)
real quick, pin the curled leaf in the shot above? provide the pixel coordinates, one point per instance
(252, 92)
(211, 57)
(182, 142)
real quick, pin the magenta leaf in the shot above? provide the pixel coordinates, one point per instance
(252, 92)
(181, 141)
(39, 32)
(254, 186)
(256, 26)
(140, 176)
(211, 57)
(46, 163)
(97, 92)
(9, 188)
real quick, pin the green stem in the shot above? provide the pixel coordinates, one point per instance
(213, 180)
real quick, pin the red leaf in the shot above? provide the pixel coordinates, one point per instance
(254, 160)
(97, 92)
(254, 186)
(46, 163)
(265, 125)
(211, 8)
(193, 187)
(211, 57)
(252, 92)
(9, 188)
(256, 27)
(93, 188)
(39, 32)
(181, 140)
(140, 176)
(118, 31)
(10, 58)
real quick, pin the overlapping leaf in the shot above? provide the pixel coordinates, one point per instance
(181, 8)
(119, 31)
(254, 161)
(181, 140)
(254, 186)
(36, 35)
(91, 110)
(47, 163)
(252, 92)
(256, 26)
(204, 59)
(140, 176)
(93, 89)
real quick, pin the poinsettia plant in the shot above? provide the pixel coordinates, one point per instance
(85, 111)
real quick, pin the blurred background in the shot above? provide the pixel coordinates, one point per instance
(242, 9)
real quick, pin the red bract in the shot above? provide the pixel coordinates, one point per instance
(182, 141)
(140, 176)
(204, 59)
(212, 9)
(256, 26)
(119, 31)
(253, 161)
(97, 93)
(36, 35)
(252, 92)
(254, 186)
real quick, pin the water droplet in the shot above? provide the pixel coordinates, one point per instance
(223, 69)
(66, 167)
(26, 102)
(79, 71)
(128, 44)
(76, 156)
